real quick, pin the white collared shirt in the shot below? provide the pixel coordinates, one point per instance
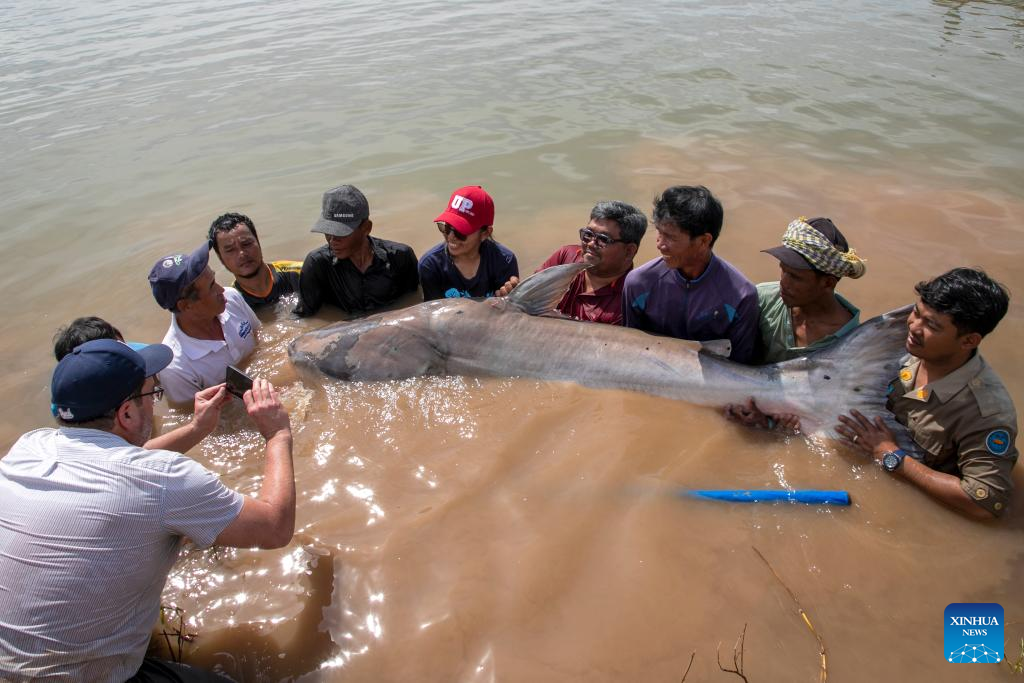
(90, 525)
(201, 363)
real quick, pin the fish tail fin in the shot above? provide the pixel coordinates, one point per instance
(855, 372)
(540, 293)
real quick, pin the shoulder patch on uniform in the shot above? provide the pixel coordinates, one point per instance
(998, 441)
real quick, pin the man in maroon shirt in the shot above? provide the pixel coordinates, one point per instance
(608, 243)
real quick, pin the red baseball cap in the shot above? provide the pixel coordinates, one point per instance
(469, 209)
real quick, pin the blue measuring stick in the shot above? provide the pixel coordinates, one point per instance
(806, 496)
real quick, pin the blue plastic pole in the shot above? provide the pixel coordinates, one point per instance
(808, 497)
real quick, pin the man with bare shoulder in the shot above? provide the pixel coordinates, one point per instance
(91, 521)
(952, 402)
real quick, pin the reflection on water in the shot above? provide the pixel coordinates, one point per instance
(461, 529)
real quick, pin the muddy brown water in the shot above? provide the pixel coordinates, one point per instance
(505, 529)
(464, 529)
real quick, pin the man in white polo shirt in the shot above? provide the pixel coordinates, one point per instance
(210, 328)
(91, 521)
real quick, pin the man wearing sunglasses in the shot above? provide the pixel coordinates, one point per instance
(353, 271)
(91, 521)
(689, 292)
(608, 243)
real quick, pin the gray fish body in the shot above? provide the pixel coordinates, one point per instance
(495, 337)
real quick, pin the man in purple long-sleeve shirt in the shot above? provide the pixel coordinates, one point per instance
(688, 292)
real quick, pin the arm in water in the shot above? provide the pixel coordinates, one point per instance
(872, 437)
(269, 521)
(749, 415)
(208, 403)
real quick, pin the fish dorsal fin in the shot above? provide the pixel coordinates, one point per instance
(541, 292)
(717, 347)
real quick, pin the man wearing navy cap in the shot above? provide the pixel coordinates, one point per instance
(353, 271)
(91, 522)
(210, 328)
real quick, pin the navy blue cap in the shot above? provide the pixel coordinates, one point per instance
(172, 274)
(99, 375)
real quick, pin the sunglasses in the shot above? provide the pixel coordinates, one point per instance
(601, 239)
(446, 230)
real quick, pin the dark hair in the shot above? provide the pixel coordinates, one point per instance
(975, 301)
(227, 223)
(631, 220)
(693, 209)
(81, 330)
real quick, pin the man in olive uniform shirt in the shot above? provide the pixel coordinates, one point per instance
(954, 405)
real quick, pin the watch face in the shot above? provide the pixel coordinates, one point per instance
(891, 461)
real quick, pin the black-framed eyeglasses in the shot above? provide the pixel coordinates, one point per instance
(601, 239)
(157, 394)
(448, 230)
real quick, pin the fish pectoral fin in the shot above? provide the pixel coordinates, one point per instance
(541, 292)
(717, 347)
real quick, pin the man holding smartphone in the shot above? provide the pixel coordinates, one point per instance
(91, 521)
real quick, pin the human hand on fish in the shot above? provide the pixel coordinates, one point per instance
(507, 288)
(749, 415)
(870, 437)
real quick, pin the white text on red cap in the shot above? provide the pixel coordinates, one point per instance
(463, 204)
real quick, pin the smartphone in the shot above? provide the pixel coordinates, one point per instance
(237, 381)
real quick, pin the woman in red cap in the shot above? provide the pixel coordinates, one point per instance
(468, 263)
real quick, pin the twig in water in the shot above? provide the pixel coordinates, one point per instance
(807, 620)
(178, 632)
(686, 673)
(1016, 667)
(737, 656)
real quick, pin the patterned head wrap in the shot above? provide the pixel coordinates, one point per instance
(802, 238)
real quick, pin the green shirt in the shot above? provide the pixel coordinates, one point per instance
(777, 337)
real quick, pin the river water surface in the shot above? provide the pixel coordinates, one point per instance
(458, 529)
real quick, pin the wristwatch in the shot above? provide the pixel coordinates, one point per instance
(892, 460)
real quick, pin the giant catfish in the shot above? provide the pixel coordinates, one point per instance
(516, 336)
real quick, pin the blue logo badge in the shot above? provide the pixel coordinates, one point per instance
(998, 441)
(244, 329)
(973, 632)
(640, 302)
(456, 293)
